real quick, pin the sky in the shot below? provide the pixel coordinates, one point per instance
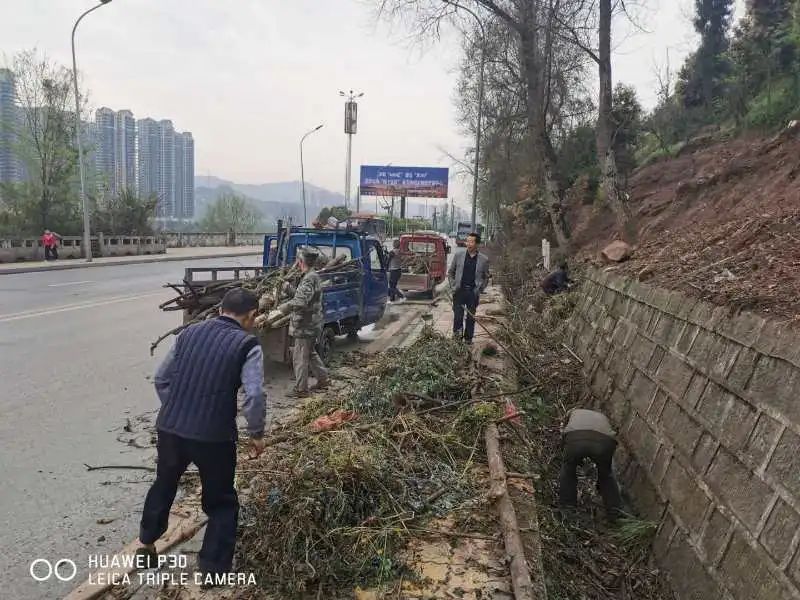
(249, 77)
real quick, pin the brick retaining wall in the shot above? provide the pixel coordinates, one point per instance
(708, 410)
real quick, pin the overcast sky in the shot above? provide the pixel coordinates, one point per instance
(249, 77)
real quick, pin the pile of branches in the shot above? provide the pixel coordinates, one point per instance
(330, 510)
(272, 286)
(416, 264)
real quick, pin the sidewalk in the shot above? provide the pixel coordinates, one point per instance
(173, 254)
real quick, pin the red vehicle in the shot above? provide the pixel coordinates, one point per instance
(424, 258)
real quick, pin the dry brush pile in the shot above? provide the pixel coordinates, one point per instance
(330, 510)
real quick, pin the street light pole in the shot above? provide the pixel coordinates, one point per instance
(480, 109)
(303, 174)
(350, 126)
(87, 240)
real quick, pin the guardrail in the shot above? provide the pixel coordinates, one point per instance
(31, 249)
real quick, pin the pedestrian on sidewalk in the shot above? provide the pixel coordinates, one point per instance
(468, 276)
(588, 434)
(197, 384)
(305, 325)
(50, 243)
(395, 271)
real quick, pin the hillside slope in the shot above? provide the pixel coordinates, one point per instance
(721, 223)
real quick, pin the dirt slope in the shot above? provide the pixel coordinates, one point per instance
(721, 223)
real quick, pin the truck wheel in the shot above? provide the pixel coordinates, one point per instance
(325, 345)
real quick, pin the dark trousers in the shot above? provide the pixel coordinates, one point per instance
(216, 462)
(579, 445)
(394, 278)
(465, 298)
(50, 253)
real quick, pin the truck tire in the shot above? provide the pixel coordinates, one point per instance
(325, 345)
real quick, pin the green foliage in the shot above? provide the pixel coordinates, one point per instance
(231, 212)
(125, 214)
(774, 105)
(338, 212)
(577, 155)
(626, 116)
(634, 534)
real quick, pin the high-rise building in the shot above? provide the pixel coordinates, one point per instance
(10, 167)
(166, 178)
(184, 176)
(104, 150)
(148, 151)
(124, 151)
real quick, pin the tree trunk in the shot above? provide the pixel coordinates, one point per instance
(533, 64)
(607, 160)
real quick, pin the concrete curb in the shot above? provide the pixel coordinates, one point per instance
(77, 264)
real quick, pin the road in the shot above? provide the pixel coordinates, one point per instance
(74, 364)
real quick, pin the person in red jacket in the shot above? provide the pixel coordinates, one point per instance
(50, 243)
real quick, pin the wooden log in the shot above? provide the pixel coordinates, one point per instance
(498, 492)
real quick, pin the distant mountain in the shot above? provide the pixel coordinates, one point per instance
(282, 199)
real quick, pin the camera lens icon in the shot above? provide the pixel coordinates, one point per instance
(42, 569)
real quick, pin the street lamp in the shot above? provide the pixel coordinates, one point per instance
(302, 172)
(350, 126)
(87, 241)
(480, 109)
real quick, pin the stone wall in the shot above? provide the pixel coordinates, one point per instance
(190, 240)
(708, 410)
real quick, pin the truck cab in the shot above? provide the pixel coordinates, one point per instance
(351, 299)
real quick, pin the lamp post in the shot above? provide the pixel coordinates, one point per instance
(87, 241)
(350, 127)
(303, 174)
(480, 109)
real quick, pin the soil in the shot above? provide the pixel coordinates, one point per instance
(721, 223)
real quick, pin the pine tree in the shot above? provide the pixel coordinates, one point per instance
(709, 66)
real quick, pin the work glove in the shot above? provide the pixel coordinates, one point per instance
(274, 315)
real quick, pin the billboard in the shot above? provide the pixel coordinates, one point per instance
(350, 117)
(412, 182)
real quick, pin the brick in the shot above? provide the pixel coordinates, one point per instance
(655, 359)
(667, 329)
(674, 374)
(715, 534)
(704, 453)
(687, 338)
(661, 462)
(663, 536)
(676, 301)
(774, 384)
(641, 392)
(781, 527)
(608, 324)
(644, 495)
(761, 439)
(641, 351)
(701, 314)
(747, 573)
(656, 406)
(695, 390)
(660, 298)
(688, 576)
(742, 369)
(738, 423)
(686, 499)
(601, 346)
(722, 357)
(784, 467)
(743, 329)
(743, 491)
(713, 405)
(600, 382)
(679, 427)
(642, 440)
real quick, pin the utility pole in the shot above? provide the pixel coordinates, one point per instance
(350, 128)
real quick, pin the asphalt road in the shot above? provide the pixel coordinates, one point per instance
(74, 365)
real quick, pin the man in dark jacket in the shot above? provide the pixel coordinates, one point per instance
(588, 434)
(557, 281)
(468, 275)
(197, 384)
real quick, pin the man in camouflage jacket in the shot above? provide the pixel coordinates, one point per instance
(305, 325)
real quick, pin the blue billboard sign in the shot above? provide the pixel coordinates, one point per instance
(412, 182)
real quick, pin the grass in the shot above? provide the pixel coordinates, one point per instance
(634, 533)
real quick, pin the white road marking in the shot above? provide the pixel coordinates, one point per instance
(69, 283)
(60, 309)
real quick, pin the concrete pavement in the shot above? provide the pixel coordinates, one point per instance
(172, 254)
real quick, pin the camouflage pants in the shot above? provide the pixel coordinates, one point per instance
(305, 359)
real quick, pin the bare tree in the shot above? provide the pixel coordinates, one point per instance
(44, 94)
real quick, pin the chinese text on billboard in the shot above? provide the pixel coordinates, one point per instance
(412, 182)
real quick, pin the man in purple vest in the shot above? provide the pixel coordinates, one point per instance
(197, 384)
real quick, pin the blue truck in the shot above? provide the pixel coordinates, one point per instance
(351, 299)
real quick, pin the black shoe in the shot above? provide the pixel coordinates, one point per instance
(149, 558)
